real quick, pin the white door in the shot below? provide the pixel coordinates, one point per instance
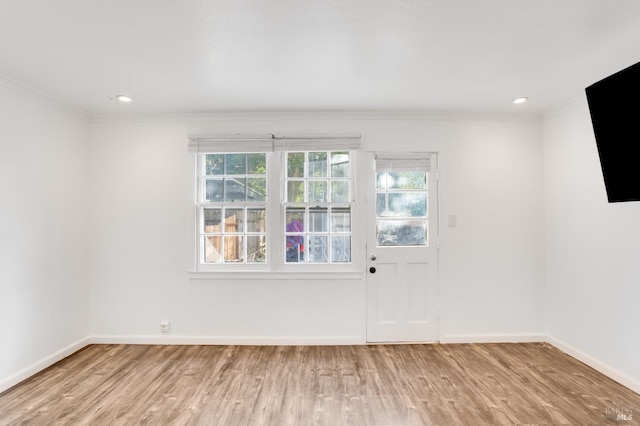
(402, 254)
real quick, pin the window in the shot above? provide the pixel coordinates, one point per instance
(232, 208)
(317, 207)
(265, 203)
(402, 217)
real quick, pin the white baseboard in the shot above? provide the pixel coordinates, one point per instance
(226, 340)
(596, 364)
(38, 366)
(493, 338)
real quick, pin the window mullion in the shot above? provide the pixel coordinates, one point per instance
(275, 210)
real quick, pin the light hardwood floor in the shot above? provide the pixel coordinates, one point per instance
(456, 384)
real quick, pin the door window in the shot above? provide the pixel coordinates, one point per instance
(402, 214)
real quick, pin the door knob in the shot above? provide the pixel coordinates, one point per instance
(372, 270)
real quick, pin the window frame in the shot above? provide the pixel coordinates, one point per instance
(275, 266)
(327, 205)
(203, 204)
(387, 192)
(404, 162)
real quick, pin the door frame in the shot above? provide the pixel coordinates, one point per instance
(434, 231)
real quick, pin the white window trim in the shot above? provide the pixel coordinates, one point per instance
(275, 275)
(276, 268)
(202, 204)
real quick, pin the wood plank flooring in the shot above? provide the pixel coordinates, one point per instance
(455, 384)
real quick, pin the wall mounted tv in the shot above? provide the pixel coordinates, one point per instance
(615, 117)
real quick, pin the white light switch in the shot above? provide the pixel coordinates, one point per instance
(452, 220)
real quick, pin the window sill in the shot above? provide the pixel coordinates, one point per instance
(275, 275)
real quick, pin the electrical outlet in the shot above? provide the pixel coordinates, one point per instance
(164, 326)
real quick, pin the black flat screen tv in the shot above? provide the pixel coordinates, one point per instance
(615, 116)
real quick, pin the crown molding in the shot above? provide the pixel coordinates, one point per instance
(577, 101)
(42, 97)
(336, 115)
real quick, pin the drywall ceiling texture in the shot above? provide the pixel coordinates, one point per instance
(205, 56)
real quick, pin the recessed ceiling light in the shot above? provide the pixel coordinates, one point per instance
(520, 100)
(123, 98)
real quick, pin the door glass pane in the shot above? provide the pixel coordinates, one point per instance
(401, 180)
(381, 205)
(401, 232)
(411, 180)
(384, 180)
(407, 204)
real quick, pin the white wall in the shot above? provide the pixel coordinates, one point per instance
(492, 266)
(491, 263)
(592, 252)
(43, 245)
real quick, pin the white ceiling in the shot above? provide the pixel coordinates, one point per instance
(184, 56)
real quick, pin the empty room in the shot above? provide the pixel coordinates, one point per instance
(367, 212)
